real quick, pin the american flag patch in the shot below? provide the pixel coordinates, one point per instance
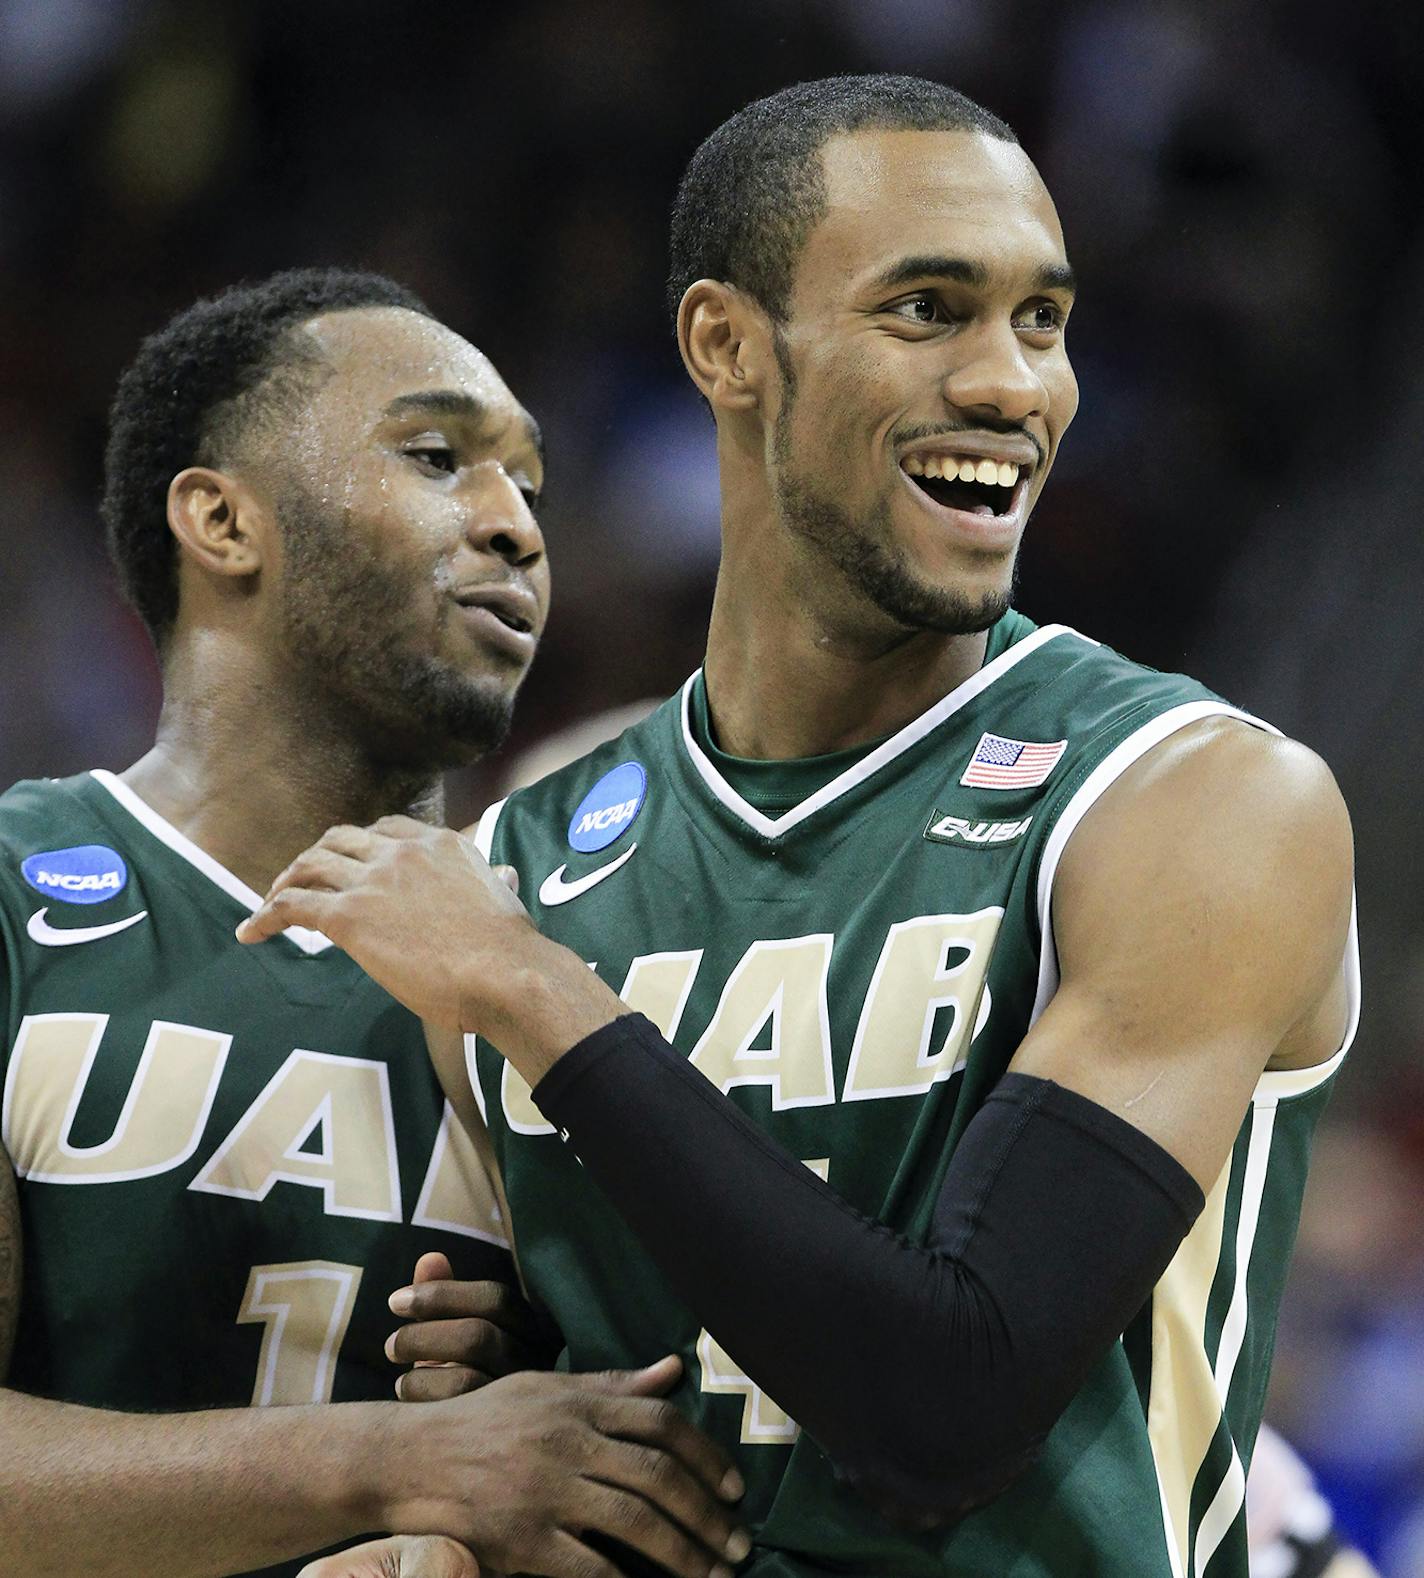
(999, 763)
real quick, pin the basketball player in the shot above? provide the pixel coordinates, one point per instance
(220, 1162)
(979, 990)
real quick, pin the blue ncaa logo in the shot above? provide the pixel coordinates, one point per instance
(86, 874)
(607, 811)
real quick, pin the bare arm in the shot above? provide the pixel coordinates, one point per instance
(87, 1490)
(84, 1490)
(1200, 915)
(513, 1471)
(516, 1471)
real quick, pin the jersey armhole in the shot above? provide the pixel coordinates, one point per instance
(1274, 1085)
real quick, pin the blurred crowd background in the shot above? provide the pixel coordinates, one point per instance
(1242, 186)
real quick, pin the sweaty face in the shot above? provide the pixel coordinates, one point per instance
(413, 582)
(925, 382)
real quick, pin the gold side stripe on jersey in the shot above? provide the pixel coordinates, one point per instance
(1188, 1391)
(1231, 1493)
(1182, 1406)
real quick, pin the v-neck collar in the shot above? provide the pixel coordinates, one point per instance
(869, 764)
(310, 942)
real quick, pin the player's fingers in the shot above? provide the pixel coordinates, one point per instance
(318, 868)
(650, 1531)
(653, 1422)
(651, 1381)
(478, 1343)
(291, 907)
(433, 1267)
(400, 827)
(667, 1493)
(435, 1383)
(348, 839)
(448, 1299)
(568, 1557)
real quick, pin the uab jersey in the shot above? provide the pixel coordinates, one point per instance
(228, 1157)
(852, 949)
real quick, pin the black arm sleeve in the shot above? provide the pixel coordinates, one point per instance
(928, 1373)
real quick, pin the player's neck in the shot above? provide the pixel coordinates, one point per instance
(800, 684)
(253, 783)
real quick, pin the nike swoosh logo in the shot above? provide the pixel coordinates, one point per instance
(554, 890)
(51, 937)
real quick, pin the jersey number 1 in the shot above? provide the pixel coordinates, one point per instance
(305, 1307)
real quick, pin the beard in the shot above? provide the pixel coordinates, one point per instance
(862, 546)
(347, 631)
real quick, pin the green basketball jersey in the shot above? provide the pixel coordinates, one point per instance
(228, 1157)
(856, 971)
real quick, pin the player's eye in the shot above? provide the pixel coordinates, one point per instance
(437, 457)
(1041, 317)
(921, 308)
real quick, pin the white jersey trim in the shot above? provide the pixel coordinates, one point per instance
(867, 766)
(1281, 1084)
(1093, 787)
(484, 828)
(1275, 1084)
(1273, 1087)
(218, 874)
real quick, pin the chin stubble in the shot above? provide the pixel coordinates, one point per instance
(862, 547)
(347, 623)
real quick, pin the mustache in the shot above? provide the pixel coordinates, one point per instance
(905, 436)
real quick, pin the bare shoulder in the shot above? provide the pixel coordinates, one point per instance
(1218, 868)
(1201, 917)
(1226, 802)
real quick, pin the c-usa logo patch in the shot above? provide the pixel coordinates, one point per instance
(608, 810)
(85, 874)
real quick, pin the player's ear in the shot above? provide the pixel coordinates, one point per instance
(725, 339)
(213, 516)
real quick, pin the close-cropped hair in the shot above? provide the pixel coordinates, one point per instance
(755, 190)
(193, 391)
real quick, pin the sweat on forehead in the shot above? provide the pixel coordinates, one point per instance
(390, 345)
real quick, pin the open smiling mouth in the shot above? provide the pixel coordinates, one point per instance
(978, 487)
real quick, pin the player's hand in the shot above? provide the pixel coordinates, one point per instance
(423, 913)
(462, 1335)
(400, 1556)
(417, 907)
(521, 1470)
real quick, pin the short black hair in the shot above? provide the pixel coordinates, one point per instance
(195, 387)
(755, 189)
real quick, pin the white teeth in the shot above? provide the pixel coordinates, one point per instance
(989, 473)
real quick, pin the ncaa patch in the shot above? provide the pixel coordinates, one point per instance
(608, 810)
(85, 874)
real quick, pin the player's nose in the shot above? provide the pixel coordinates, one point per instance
(991, 373)
(499, 520)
